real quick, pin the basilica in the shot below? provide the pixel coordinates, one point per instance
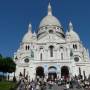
(51, 52)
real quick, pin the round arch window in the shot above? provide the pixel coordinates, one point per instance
(76, 59)
(50, 31)
(26, 60)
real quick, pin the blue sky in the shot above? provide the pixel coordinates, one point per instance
(15, 15)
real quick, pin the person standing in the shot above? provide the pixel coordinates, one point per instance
(67, 86)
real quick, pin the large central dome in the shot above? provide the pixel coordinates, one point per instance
(50, 24)
(49, 19)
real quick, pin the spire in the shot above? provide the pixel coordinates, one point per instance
(34, 34)
(88, 54)
(70, 26)
(30, 28)
(49, 9)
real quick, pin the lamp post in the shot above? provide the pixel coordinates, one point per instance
(72, 63)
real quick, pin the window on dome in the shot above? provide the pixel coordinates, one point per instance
(58, 28)
(51, 51)
(50, 31)
(61, 47)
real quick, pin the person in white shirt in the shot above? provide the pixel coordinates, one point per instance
(67, 85)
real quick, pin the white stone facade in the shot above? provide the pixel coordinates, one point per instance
(51, 49)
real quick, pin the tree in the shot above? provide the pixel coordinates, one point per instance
(11, 66)
(7, 65)
(2, 64)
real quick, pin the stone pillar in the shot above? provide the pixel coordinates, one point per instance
(24, 71)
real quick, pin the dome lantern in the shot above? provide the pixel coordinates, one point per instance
(70, 26)
(49, 9)
(30, 28)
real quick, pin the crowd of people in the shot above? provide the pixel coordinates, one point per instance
(44, 84)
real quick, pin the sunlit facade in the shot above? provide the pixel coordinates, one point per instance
(51, 51)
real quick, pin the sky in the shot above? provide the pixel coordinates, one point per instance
(15, 15)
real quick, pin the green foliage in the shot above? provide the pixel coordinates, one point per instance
(11, 66)
(0, 56)
(5, 85)
(7, 64)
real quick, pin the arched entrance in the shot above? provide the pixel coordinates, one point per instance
(40, 72)
(64, 72)
(52, 72)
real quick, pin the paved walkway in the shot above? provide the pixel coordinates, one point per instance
(56, 87)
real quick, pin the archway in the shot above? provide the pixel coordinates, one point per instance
(52, 72)
(40, 72)
(65, 72)
(51, 50)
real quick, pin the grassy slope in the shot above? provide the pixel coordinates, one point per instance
(5, 85)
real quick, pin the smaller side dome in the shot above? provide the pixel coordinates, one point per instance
(28, 36)
(73, 36)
